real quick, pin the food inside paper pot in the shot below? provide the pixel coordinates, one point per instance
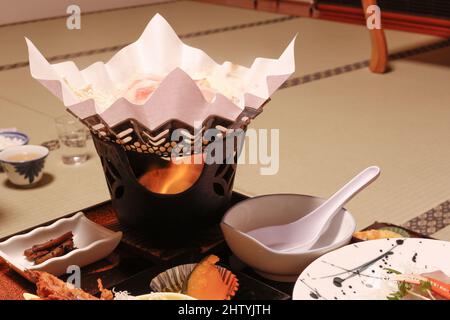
(161, 83)
(139, 87)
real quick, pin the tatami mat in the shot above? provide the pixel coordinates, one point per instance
(321, 45)
(26, 120)
(443, 234)
(62, 190)
(118, 27)
(332, 128)
(329, 129)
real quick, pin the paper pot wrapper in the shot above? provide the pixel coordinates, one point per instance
(172, 280)
(158, 84)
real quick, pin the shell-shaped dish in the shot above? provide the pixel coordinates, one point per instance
(172, 280)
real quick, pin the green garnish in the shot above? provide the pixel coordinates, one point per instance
(403, 290)
(425, 286)
(389, 270)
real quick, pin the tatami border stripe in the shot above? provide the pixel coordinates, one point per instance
(431, 221)
(435, 219)
(183, 36)
(362, 64)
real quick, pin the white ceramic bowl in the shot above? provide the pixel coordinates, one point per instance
(279, 209)
(28, 172)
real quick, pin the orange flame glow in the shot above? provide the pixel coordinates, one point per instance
(169, 177)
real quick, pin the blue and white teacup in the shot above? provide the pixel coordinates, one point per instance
(24, 164)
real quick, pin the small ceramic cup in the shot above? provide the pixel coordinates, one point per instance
(24, 164)
(19, 137)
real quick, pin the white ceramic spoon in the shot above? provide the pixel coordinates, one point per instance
(302, 234)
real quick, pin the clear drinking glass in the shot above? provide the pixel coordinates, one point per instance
(72, 136)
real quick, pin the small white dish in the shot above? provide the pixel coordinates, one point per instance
(24, 172)
(92, 241)
(13, 139)
(276, 209)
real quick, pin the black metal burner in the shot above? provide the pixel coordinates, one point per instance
(167, 219)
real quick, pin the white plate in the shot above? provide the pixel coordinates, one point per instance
(93, 242)
(364, 263)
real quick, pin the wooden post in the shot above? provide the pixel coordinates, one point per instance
(379, 58)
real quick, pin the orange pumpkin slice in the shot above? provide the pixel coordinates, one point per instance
(206, 282)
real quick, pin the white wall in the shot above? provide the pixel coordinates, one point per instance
(24, 10)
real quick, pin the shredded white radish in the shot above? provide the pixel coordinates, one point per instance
(123, 295)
